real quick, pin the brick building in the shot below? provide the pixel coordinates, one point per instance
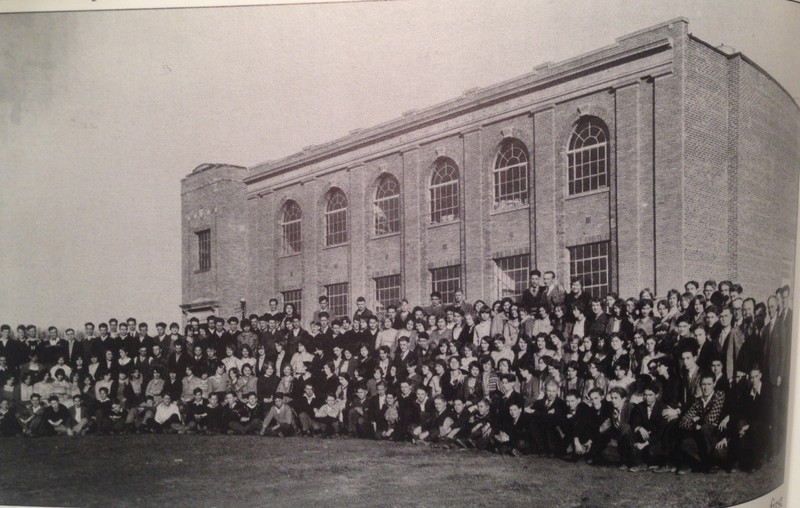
(646, 163)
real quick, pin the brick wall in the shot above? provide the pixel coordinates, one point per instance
(740, 180)
(703, 159)
(767, 181)
(707, 196)
(213, 198)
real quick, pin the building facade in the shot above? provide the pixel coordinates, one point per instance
(646, 163)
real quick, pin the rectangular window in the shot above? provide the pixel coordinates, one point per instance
(387, 291)
(295, 297)
(587, 169)
(589, 263)
(336, 227)
(387, 215)
(204, 250)
(444, 202)
(291, 237)
(511, 274)
(446, 280)
(337, 299)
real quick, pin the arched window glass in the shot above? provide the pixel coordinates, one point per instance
(336, 218)
(386, 207)
(511, 175)
(290, 224)
(587, 157)
(444, 191)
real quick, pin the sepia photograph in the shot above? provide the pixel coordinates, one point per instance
(398, 253)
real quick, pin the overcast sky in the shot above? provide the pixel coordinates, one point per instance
(103, 113)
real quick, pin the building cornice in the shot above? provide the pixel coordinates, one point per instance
(544, 76)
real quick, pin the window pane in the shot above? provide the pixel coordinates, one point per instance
(587, 157)
(386, 207)
(511, 276)
(590, 264)
(337, 299)
(204, 250)
(294, 297)
(444, 192)
(387, 291)
(446, 280)
(291, 228)
(511, 174)
(336, 219)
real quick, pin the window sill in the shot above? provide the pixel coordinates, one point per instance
(328, 247)
(506, 209)
(587, 193)
(202, 271)
(282, 256)
(387, 235)
(441, 224)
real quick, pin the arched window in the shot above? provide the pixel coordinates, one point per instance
(386, 207)
(290, 224)
(511, 175)
(444, 191)
(587, 156)
(336, 218)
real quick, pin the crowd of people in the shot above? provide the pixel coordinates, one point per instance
(694, 381)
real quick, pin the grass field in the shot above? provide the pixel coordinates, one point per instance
(181, 470)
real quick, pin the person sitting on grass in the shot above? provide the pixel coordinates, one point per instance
(56, 415)
(616, 431)
(167, 417)
(215, 416)
(250, 415)
(30, 416)
(196, 413)
(357, 411)
(648, 424)
(390, 418)
(748, 430)
(513, 438)
(102, 412)
(145, 411)
(699, 428)
(79, 418)
(480, 433)
(420, 415)
(117, 417)
(547, 413)
(569, 425)
(328, 417)
(281, 421)
(305, 407)
(440, 423)
(9, 425)
(587, 430)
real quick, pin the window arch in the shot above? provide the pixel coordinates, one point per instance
(587, 156)
(336, 218)
(444, 191)
(386, 206)
(511, 175)
(290, 225)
